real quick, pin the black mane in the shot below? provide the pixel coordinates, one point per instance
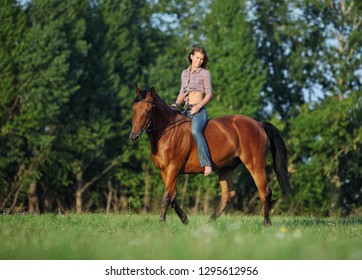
(157, 100)
(141, 95)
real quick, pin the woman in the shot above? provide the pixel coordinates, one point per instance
(196, 92)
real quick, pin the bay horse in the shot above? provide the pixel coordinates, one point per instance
(232, 140)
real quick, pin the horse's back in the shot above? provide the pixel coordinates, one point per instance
(233, 136)
(233, 126)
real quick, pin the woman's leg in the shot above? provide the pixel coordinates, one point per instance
(198, 122)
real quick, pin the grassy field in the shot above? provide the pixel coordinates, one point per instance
(132, 237)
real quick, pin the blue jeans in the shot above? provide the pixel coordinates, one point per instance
(198, 123)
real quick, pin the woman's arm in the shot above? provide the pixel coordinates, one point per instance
(179, 100)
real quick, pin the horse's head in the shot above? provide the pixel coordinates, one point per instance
(142, 108)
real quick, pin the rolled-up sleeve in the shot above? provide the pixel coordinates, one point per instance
(207, 82)
(183, 81)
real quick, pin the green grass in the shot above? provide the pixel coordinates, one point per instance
(132, 237)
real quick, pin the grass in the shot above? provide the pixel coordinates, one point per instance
(142, 237)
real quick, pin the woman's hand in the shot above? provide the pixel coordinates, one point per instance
(195, 109)
(174, 106)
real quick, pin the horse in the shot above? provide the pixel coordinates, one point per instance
(232, 140)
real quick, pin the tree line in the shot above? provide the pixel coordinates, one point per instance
(67, 75)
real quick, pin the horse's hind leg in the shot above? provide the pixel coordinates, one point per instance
(259, 175)
(227, 191)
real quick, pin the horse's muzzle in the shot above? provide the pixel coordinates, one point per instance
(135, 137)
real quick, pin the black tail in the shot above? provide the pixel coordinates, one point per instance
(280, 158)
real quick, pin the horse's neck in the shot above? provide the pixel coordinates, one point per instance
(162, 118)
(163, 115)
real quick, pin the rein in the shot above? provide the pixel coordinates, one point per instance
(166, 125)
(152, 117)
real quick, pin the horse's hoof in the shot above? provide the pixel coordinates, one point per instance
(185, 221)
(212, 218)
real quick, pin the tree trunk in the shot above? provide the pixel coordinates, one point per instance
(123, 201)
(197, 199)
(15, 188)
(89, 205)
(79, 192)
(109, 198)
(83, 186)
(184, 190)
(146, 199)
(206, 203)
(12, 207)
(78, 200)
(33, 199)
(60, 207)
(115, 203)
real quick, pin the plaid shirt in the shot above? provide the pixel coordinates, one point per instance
(199, 80)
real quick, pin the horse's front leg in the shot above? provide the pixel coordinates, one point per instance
(169, 197)
(164, 207)
(182, 215)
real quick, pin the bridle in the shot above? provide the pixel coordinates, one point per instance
(152, 118)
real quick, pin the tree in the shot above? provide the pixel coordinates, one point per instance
(129, 45)
(238, 76)
(326, 135)
(46, 82)
(278, 42)
(12, 31)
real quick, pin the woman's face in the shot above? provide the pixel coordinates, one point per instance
(197, 59)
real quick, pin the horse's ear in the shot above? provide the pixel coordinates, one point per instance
(137, 89)
(152, 92)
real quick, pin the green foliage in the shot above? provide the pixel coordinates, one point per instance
(328, 132)
(67, 74)
(238, 76)
(13, 28)
(326, 135)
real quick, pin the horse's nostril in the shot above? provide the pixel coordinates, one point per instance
(135, 137)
